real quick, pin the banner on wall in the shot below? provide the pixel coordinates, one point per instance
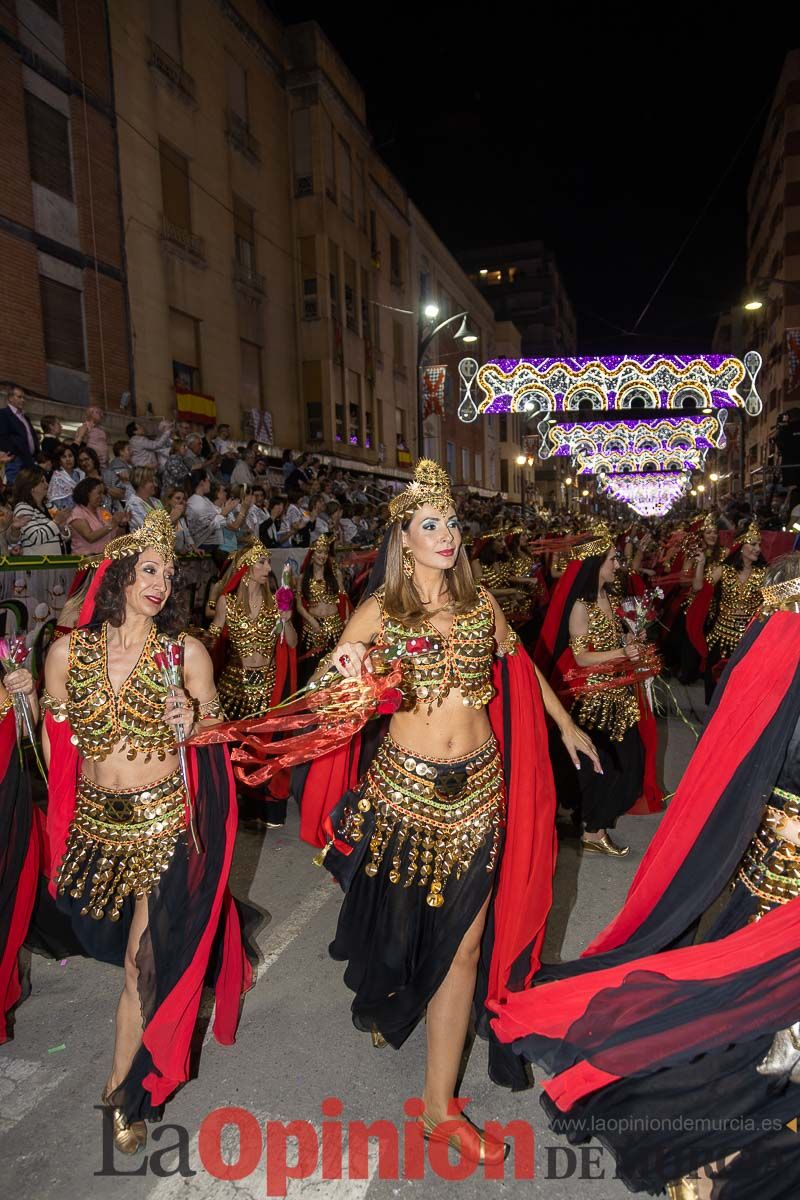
(434, 382)
(195, 407)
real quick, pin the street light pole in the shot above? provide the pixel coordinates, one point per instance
(425, 334)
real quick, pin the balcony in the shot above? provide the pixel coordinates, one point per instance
(186, 244)
(248, 280)
(180, 81)
(237, 132)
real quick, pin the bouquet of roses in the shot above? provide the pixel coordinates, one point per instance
(13, 655)
(169, 661)
(284, 599)
(639, 612)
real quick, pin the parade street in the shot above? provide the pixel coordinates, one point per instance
(296, 1046)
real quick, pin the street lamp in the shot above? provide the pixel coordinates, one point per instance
(426, 332)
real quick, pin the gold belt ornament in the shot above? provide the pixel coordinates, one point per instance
(126, 837)
(439, 813)
(770, 869)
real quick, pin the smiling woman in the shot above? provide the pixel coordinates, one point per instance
(121, 867)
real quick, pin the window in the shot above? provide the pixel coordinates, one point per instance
(329, 153)
(308, 271)
(251, 390)
(373, 237)
(236, 84)
(62, 318)
(184, 340)
(450, 455)
(403, 453)
(504, 475)
(303, 159)
(376, 326)
(398, 346)
(464, 465)
(503, 428)
(333, 260)
(369, 431)
(175, 186)
(244, 234)
(312, 394)
(345, 177)
(350, 293)
(478, 468)
(364, 303)
(48, 146)
(165, 22)
(394, 261)
(353, 384)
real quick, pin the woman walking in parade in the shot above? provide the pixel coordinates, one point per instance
(140, 851)
(322, 604)
(738, 584)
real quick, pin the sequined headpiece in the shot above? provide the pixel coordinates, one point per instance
(156, 533)
(752, 533)
(430, 485)
(256, 553)
(778, 595)
(323, 542)
(710, 522)
(599, 541)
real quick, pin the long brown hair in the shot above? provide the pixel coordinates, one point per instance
(401, 599)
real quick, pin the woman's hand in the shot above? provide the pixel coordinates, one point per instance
(348, 659)
(577, 741)
(19, 682)
(314, 623)
(179, 710)
(632, 651)
(120, 518)
(62, 516)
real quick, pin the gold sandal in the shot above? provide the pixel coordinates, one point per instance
(129, 1136)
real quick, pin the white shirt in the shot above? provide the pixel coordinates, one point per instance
(205, 521)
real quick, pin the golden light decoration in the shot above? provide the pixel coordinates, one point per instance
(663, 444)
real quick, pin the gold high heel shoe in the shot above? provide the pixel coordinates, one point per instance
(604, 845)
(685, 1188)
(378, 1040)
(473, 1145)
(129, 1136)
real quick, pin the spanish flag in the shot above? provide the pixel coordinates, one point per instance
(195, 407)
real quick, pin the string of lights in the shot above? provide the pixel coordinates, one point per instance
(650, 494)
(634, 444)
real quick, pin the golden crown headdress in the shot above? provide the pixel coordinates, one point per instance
(599, 541)
(752, 533)
(776, 596)
(253, 554)
(710, 521)
(156, 533)
(430, 485)
(323, 542)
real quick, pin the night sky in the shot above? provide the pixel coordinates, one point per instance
(604, 136)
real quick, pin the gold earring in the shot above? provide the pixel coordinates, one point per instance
(408, 564)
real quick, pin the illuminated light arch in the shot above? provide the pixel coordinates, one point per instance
(649, 493)
(575, 397)
(631, 444)
(533, 384)
(695, 391)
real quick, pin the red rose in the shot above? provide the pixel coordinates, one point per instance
(418, 645)
(160, 659)
(390, 701)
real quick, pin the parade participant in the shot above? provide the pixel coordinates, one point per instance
(257, 653)
(139, 891)
(444, 842)
(738, 582)
(696, 1047)
(525, 572)
(491, 567)
(322, 604)
(21, 845)
(685, 645)
(583, 629)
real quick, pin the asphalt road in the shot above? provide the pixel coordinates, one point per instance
(296, 1047)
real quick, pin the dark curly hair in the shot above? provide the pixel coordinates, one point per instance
(110, 600)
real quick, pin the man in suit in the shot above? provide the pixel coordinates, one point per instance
(17, 436)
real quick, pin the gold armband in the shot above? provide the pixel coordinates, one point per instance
(578, 645)
(214, 630)
(210, 708)
(508, 645)
(57, 708)
(211, 605)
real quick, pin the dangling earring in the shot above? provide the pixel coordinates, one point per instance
(408, 564)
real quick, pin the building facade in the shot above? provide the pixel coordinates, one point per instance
(773, 270)
(64, 329)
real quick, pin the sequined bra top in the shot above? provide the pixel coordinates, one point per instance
(463, 660)
(319, 592)
(251, 635)
(101, 718)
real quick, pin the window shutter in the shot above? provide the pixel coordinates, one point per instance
(48, 146)
(62, 318)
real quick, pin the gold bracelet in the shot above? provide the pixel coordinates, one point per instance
(509, 644)
(214, 630)
(210, 708)
(211, 605)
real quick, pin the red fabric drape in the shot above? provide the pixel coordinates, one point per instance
(696, 617)
(24, 892)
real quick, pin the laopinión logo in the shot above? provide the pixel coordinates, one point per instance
(334, 1149)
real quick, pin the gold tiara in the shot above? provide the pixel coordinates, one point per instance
(600, 542)
(430, 485)
(710, 522)
(156, 533)
(256, 553)
(752, 533)
(326, 540)
(776, 595)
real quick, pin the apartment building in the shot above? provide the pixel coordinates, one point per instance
(63, 304)
(773, 267)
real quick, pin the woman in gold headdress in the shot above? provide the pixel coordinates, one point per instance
(450, 817)
(139, 890)
(738, 583)
(257, 645)
(322, 604)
